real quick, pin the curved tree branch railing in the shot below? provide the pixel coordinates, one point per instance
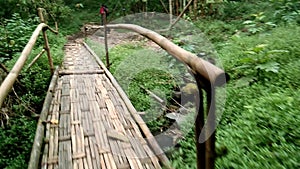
(208, 77)
(211, 73)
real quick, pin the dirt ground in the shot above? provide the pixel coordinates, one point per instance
(115, 37)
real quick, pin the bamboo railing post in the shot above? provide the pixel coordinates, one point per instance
(205, 150)
(46, 43)
(199, 124)
(41, 16)
(211, 127)
(180, 15)
(105, 40)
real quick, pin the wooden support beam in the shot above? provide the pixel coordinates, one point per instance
(36, 58)
(80, 72)
(158, 99)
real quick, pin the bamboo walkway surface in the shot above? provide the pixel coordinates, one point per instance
(89, 125)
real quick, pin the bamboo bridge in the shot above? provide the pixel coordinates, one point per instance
(89, 124)
(87, 121)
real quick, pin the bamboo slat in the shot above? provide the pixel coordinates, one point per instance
(80, 72)
(94, 154)
(89, 164)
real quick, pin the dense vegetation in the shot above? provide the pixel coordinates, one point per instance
(256, 41)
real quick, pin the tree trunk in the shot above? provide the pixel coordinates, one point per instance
(202, 8)
(195, 9)
(170, 11)
(177, 7)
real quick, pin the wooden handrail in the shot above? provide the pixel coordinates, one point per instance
(214, 75)
(15, 71)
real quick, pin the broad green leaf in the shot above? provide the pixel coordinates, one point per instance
(244, 81)
(269, 67)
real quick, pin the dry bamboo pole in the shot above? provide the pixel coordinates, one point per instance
(211, 73)
(3, 67)
(47, 48)
(151, 140)
(36, 58)
(39, 135)
(163, 4)
(15, 71)
(158, 99)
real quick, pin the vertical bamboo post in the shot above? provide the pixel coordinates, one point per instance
(205, 150)
(40, 13)
(46, 43)
(56, 26)
(105, 40)
(211, 125)
(199, 123)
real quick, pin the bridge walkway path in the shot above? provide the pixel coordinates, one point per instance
(89, 125)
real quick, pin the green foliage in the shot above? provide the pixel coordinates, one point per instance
(15, 33)
(287, 10)
(257, 127)
(16, 141)
(258, 61)
(184, 156)
(257, 24)
(217, 30)
(137, 69)
(262, 133)
(17, 134)
(56, 10)
(238, 10)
